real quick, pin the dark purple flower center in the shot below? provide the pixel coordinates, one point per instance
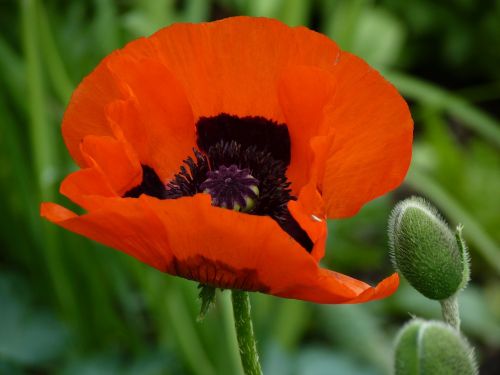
(241, 162)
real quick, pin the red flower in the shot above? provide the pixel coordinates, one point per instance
(275, 124)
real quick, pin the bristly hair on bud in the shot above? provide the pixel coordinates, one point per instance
(424, 249)
(431, 347)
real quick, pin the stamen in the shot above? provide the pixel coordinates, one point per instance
(232, 188)
(257, 152)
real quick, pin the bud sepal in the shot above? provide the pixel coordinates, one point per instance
(424, 249)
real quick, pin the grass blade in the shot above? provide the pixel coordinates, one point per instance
(425, 92)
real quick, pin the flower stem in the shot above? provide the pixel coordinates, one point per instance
(244, 333)
(449, 308)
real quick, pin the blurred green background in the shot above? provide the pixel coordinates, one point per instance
(70, 306)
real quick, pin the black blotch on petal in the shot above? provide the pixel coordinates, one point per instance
(150, 185)
(259, 132)
(288, 223)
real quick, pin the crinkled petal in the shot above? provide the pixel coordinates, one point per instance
(190, 238)
(156, 119)
(234, 65)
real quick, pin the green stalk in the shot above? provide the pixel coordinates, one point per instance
(449, 309)
(244, 333)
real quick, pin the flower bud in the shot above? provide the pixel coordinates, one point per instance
(425, 250)
(430, 347)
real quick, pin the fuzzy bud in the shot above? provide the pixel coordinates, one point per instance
(430, 347)
(424, 249)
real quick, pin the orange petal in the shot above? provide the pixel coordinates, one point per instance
(372, 134)
(309, 209)
(325, 286)
(86, 183)
(190, 238)
(85, 113)
(123, 224)
(383, 289)
(126, 124)
(234, 65)
(351, 140)
(304, 93)
(115, 160)
(248, 245)
(88, 110)
(231, 66)
(112, 170)
(163, 114)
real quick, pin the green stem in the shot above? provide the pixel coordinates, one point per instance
(451, 315)
(233, 353)
(244, 333)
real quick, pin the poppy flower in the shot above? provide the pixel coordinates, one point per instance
(216, 152)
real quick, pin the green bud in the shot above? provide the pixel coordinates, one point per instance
(430, 348)
(424, 249)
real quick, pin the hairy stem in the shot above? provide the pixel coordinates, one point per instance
(244, 333)
(451, 315)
